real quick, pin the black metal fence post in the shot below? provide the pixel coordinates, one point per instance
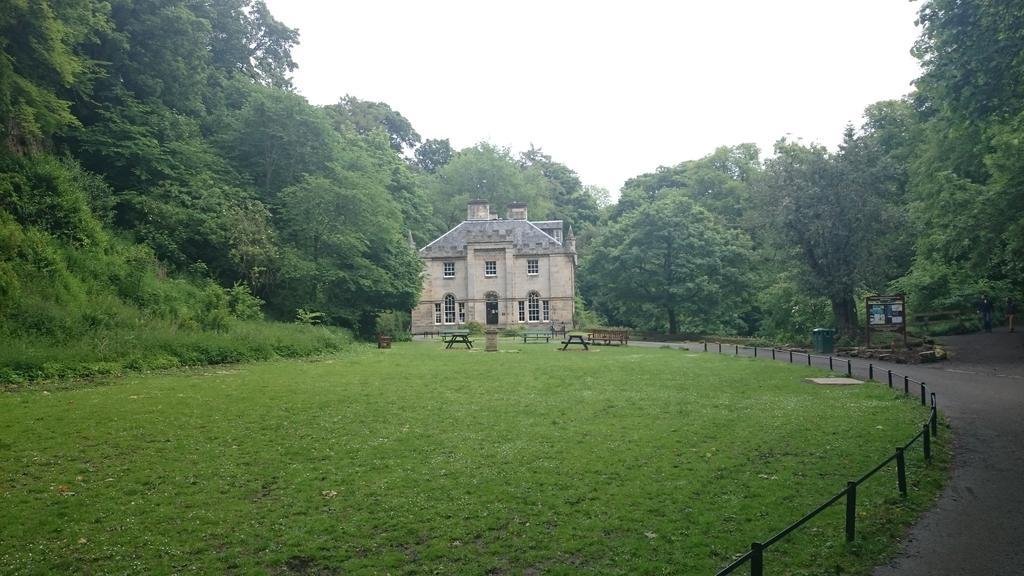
(705, 345)
(829, 362)
(923, 402)
(890, 378)
(927, 442)
(851, 510)
(808, 359)
(757, 559)
(790, 356)
(755, 351)
(871, 371)
(849, 369)
(906, 385)
(719, 347)
(773, 353)
(901, 471)
(934, 421)
(737, 350)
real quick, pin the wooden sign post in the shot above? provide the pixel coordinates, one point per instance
(886, 314)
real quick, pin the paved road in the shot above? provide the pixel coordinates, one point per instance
(976, 526)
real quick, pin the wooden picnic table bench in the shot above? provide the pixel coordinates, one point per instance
(575, 339)
(460, 336)
(608, 336)
(537, 335)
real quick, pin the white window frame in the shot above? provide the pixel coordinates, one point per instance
(437, 312)
(522, 311)
(490, 268)
(462, 312)
(533, 307)
(449, 309)
(449, 269)
(546, 310)
(532, 267)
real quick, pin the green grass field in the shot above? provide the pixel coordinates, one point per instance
(417, 460)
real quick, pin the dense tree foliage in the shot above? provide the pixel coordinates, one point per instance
(670, 265)
(163, 140)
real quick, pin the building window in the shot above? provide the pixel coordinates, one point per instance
(522, 311)
(533, 266)
(437, 313)
(546, 309)
(449, 309)
(534, 307)
(462, 312)
(490, 268)
(449, 269)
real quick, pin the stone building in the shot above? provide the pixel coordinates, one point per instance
(498, 272)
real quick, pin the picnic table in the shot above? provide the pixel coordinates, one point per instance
(575, 339)
(451, 337)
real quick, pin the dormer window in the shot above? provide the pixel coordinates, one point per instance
(449, 269)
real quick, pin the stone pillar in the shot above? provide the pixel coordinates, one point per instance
(492, 340)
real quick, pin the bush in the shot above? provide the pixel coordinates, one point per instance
(395, 324)
(475, 328)
(243, 304)
(513, 331)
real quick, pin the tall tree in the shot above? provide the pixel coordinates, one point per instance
(820, 210)
(966, 201)
(363, 117)
(669, 265)
(486, 172)
(42, 66)
(433, 154)
(571, 201)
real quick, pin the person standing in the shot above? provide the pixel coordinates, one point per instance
(985, 308)
(1011, 311)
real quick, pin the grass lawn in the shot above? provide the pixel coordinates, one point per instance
(418, 460)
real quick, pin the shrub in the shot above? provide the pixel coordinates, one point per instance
(395, 324)
(513, 331)
(243, 304)
(309, 317)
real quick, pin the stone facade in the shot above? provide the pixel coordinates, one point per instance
(499, 273)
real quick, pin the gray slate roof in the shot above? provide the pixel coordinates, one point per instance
(525, 238)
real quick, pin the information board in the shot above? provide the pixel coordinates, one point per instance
(886, 314)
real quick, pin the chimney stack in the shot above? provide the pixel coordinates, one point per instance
(478, 210)
(517, 211)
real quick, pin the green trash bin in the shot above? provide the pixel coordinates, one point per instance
(822, 338)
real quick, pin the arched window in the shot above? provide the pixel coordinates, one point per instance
(449, 309)
(491, 296)
(533, 306)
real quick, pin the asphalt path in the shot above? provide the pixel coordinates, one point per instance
(977, 523)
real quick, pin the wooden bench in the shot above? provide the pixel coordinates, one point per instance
(609, 336)
(537, 335)
(383, 341)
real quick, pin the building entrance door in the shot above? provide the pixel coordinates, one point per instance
(492, 308)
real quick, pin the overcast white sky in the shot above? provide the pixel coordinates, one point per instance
(611, 89)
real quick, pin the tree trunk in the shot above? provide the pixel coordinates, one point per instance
(845, 311)
(673, 322)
